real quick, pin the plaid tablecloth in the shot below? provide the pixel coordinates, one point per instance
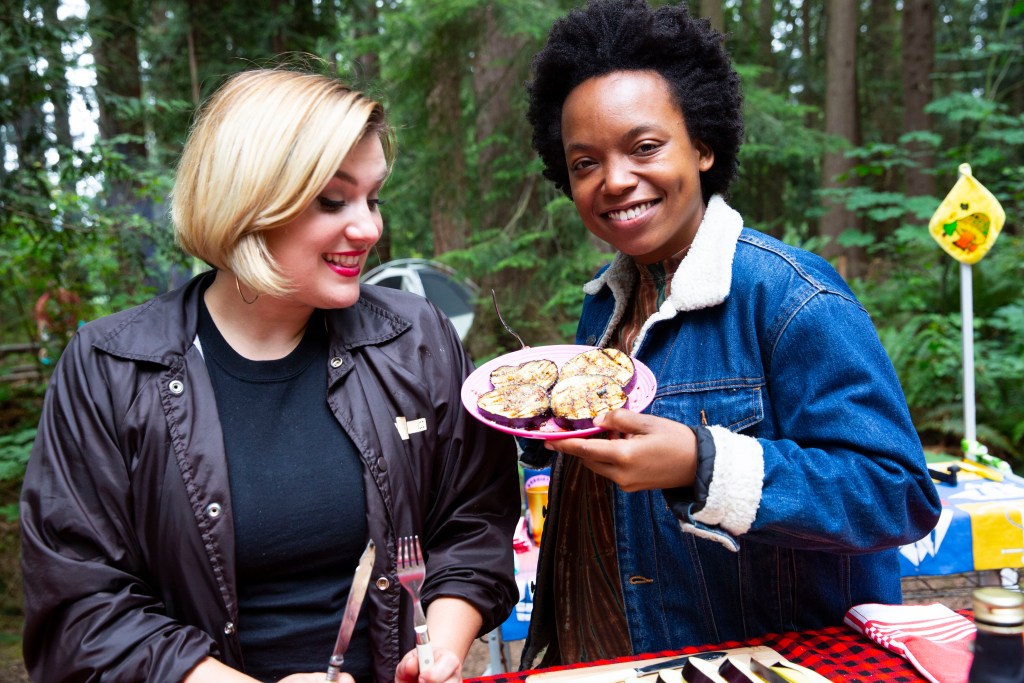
(837, 652)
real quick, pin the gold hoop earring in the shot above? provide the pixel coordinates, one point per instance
(239, 288)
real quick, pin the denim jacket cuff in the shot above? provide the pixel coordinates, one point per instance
(735, 491)
(681, 498)
(704, 531)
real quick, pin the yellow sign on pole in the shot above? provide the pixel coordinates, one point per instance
(968, 220)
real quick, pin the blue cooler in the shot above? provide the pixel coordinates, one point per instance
(514, 628)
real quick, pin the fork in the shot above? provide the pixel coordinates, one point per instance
(494, 298)
(410, 574)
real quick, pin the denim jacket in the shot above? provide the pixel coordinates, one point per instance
(818, 472)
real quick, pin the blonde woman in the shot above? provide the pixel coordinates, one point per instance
(210, 465)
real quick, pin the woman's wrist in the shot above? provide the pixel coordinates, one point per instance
(454, 624)
(209, 670)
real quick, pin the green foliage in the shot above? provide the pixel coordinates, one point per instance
(916, 310)
(779, 158)
(520, 239)
(56, 238)
(15, 449)
(914, 299)
(912, 288)
(93, 222)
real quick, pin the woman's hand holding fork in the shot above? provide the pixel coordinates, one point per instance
(453, 625)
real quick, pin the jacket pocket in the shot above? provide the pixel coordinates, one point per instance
(736, 404)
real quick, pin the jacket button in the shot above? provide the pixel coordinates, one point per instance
(336, 362)
(213, 510)
(229, 628)
(591, 340)
(176, 386)
(382, 464)
(383, 583)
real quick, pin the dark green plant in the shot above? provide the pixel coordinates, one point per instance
(912, 288)
(14, 451)
(915, 303)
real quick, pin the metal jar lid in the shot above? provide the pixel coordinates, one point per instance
(999, 607)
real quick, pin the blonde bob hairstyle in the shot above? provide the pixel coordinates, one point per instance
(262, 148)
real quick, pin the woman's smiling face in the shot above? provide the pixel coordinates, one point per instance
(322, 252)
(633, 169)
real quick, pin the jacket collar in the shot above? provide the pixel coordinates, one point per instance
(165, 327)
(159, 330)
(703, 278)
(367, 322)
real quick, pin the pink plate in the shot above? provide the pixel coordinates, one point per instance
(479, 382)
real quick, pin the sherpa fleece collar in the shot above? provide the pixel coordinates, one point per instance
(702, 280)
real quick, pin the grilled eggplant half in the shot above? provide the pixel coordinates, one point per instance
(577, 400)
(542, 372)
(521, 406)
(607, 362)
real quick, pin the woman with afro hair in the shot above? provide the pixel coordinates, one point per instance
(769, 484)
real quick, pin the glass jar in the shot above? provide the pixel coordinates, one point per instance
(999, 645)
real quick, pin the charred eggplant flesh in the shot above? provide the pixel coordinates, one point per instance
(521, 406)
(577, 400)
(542, 372)
(608, 362)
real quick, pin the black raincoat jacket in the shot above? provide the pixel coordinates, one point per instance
(127, 538)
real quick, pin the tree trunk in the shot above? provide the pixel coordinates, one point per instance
(496, 78)
(811, 46)
(114, 26)
(367, 73)
(279, 37)
(23, 127)
(444, 123)
(918, 62)
(712, 10)
(765, 18)
(114, 30)
(27, 121)
(880, 99)
(841, 122)
(368, 23)
(56, 76)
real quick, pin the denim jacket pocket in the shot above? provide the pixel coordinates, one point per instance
(735, 403)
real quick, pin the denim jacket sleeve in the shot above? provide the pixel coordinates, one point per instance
(686, 501)
(844, 471)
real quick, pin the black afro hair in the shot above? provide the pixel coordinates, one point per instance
(627, 35)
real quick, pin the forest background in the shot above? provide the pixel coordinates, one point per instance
(858, 114)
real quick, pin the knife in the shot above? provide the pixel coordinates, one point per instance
(355, 601)
(610, 673)
(679, 662)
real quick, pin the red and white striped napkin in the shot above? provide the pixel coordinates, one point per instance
(934, 638)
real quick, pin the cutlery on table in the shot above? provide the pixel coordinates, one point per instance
(635, 670)
(411, 571)
(355, 602)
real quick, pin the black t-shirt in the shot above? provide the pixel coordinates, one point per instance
(297, 502)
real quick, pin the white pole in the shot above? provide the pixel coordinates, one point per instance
(967, 331)
(967, 334)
